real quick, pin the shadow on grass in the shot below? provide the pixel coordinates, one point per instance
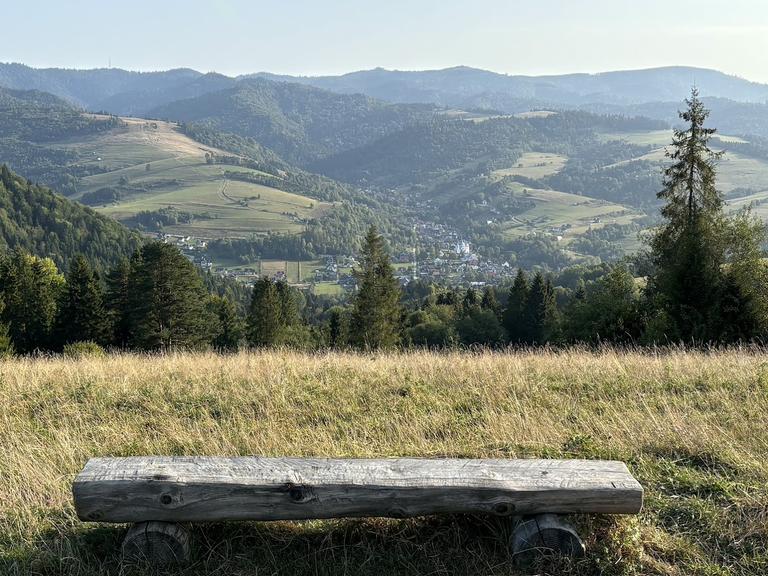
(425, 545)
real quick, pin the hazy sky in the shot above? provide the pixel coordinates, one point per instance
(336, 36)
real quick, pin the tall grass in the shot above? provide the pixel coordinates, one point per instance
(690, 425)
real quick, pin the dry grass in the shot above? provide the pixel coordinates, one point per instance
(690, 425)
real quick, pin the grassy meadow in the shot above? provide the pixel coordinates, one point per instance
(163, 167)
(690, 426)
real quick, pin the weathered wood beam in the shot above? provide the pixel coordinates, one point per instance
(207, 489)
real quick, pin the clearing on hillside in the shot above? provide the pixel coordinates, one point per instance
(153, 166)
(534, 165)
(558, 209)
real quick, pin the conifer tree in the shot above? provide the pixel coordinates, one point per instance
(117, 303)
(489, 301)
(697, 286)
(30, 288)
(264, 325)
(81, 316)
(338, 328)
(540, 316)
(166, 300)
(376, 314)
(513, 318)
(229, 329)
(6, 346)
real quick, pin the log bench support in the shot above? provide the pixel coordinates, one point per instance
(161, 494)
(159, 543)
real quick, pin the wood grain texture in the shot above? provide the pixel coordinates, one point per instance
(203, 489)
(160, 543)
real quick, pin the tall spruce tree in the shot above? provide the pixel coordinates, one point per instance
(6, 346)
(166, 300)
(698, 256)
(540, 315)
(513, 317)
(81, 316)
(229, 329)
(117, 303)
(265, 327)
(376, 314)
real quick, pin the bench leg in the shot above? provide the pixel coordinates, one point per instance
(541, 536)
(159, 543)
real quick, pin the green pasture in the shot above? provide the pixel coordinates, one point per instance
(535, 165)
(535, 114)
(327, 289)
(739, 171)
(556, 208)
(155, 166)
(235, 207)
(650, 137)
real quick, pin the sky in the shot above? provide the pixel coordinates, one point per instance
(331, 37)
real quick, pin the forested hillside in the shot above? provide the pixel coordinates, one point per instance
(45, 224)
(31, 121)
(300, 123)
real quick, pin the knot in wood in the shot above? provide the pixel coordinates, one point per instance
(299, 493)
(504, 508)
(166, 499)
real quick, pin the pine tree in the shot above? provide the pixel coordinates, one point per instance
(540, 315)
(513, 318)
(489, 301)
(6, 346)
(81, 316)
(264, 325)
(166, 300)
(229, 329)
(117, 303)
(338, 328)
(376, 314)
(697, 285)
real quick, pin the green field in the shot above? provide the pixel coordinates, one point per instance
(328, 289)
(652, 138)
(554, 209)
(535, 165)
(155, 166)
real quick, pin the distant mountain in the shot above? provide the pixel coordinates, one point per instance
(300, 123)
(460, 86)
(654, 92)
(138, 102)
(87, 88)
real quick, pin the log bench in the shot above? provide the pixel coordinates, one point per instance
(160, 494)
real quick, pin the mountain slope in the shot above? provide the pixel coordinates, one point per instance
(300, 123)
(46, 224)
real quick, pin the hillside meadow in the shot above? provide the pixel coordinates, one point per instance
(690, 426)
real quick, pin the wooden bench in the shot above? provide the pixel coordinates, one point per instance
(160, 493)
